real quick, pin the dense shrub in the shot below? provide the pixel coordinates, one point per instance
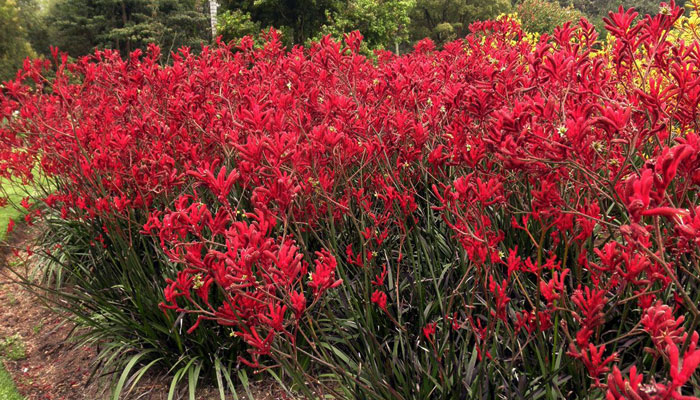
(542, 16)
(501, 217)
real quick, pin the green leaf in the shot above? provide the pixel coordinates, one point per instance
(125, 373)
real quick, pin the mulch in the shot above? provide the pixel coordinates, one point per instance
(54, 368)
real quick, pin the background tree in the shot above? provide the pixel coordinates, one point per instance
(32, 13)
(600, 8)
(543, 16)
(384, 24)
(183, 23)
(14, 45)
(445, 20)
(78, 26)
(595, 10)
(234, 24)
(298, 19)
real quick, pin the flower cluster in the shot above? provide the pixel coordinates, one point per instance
(555, 182)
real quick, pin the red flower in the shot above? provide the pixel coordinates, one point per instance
(429, 331)
(683, 369)
(553, 289)
(592, 358)
(620, 388)
(298, 303)
(639, 200)
(379, 298)
(323, 277)
(660, 324)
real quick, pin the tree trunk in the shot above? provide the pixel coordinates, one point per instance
(124, 22)
(213, 7)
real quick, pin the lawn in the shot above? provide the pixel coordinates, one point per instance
(7, 387)
(14, 194)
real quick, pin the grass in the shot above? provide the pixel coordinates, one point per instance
(14, 194)
(7, 387)
(13, 348)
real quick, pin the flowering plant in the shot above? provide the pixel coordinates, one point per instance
(503, 215)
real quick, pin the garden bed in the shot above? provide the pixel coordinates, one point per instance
(41, 359)
(510, 216)
(37, 349)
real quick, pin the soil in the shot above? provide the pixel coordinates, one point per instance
(53, 366)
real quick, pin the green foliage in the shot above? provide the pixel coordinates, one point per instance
(374, 356)
(595, 10)
(234, 24)
(445, 20)
(180, 23)
(13, 348)
(542, 16)
(383, 24)
(32, 13)
(14, 192)
(298, 19)
(78, 26)
(600, 8)
(113, 289)
(7, 387)
(14, 46)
